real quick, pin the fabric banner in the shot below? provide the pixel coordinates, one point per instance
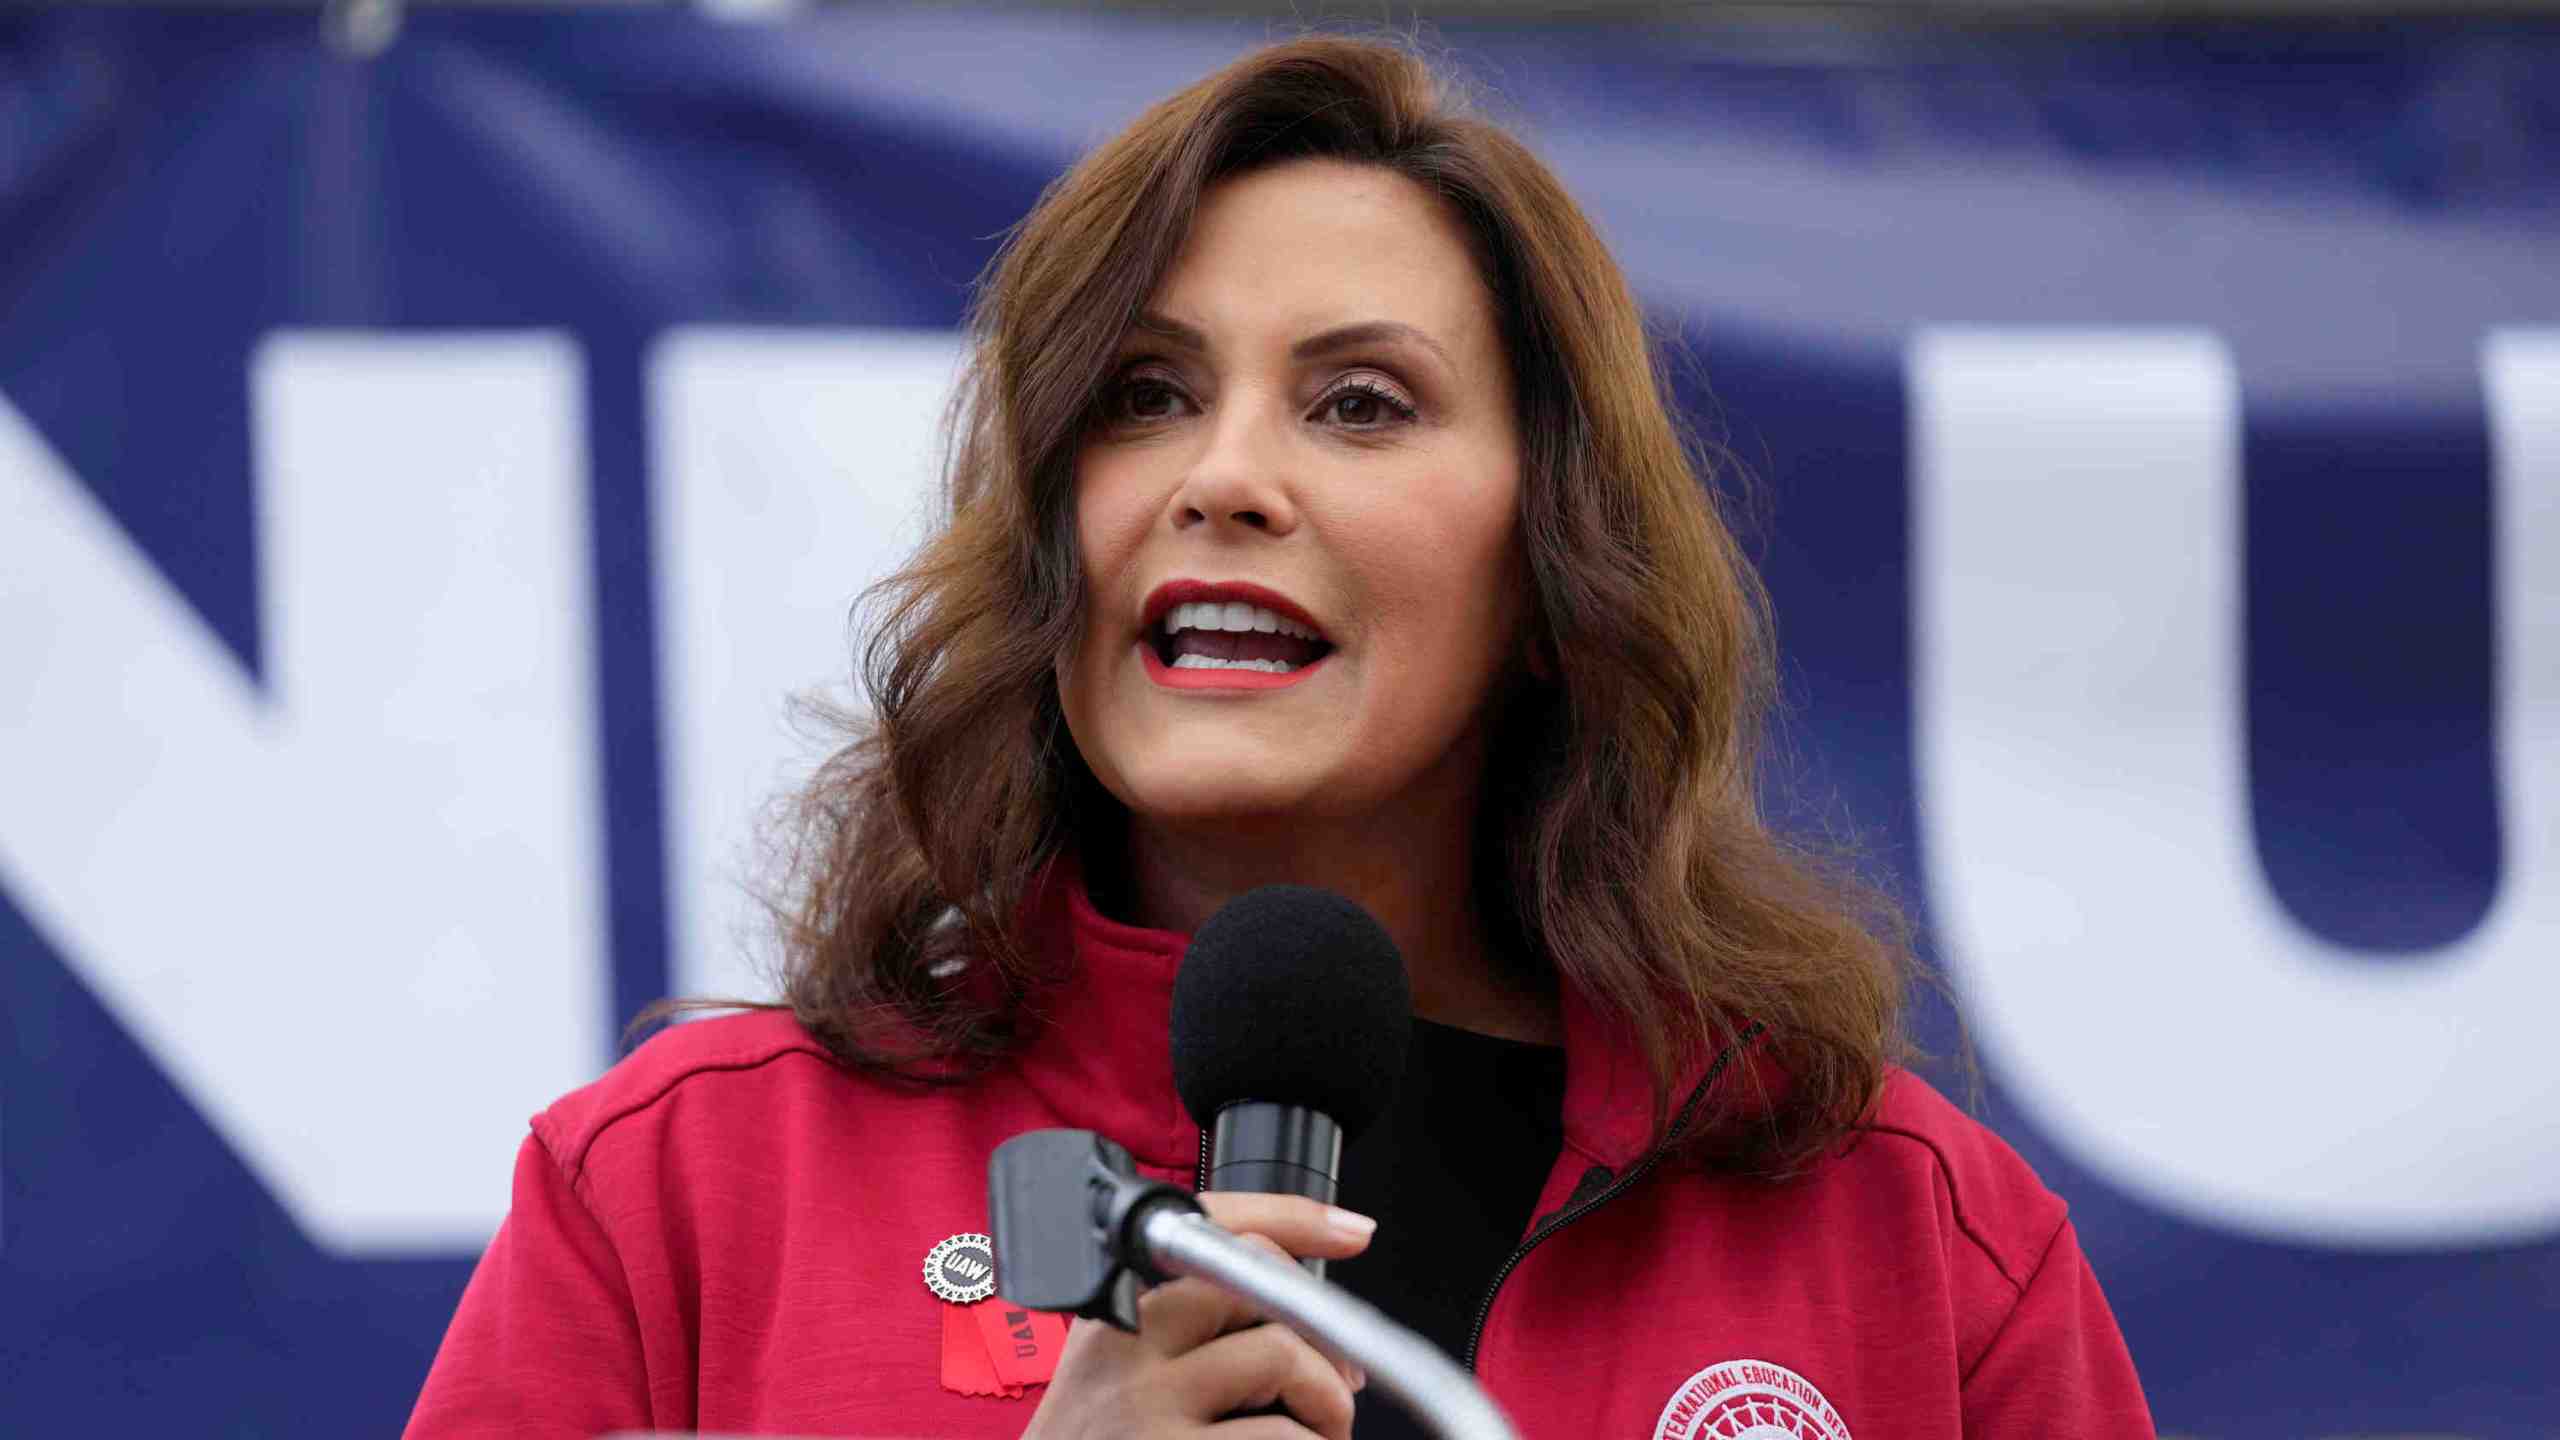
(423, 479)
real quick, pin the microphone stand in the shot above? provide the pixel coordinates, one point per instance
(1075, 1229)
(1443, 1397)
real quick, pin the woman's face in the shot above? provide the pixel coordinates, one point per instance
(1297, 513)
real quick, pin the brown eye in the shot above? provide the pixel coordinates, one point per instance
(1364, 405)
(1146, 399)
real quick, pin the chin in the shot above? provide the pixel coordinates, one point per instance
(1220, 790)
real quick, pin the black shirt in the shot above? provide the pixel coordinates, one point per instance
(1451, 1174)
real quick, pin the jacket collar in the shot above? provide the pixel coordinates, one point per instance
(1100, 1054)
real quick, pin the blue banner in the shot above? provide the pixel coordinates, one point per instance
(423, 477)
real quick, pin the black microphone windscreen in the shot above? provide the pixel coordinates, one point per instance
(1294, 996)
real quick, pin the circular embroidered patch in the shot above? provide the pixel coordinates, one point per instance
(962, 1269)
(1749, 1400)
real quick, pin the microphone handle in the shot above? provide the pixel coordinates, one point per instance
(1444, 1400)
(1276, 1149)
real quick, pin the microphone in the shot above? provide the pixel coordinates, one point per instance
(1076, 1229)
(1291, 1016)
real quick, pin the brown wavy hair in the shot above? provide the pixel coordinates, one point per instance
(1621, 844)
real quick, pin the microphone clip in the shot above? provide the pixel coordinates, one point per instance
(1064, 1208)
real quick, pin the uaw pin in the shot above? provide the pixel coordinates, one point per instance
(962, 1269)
(988, 1346)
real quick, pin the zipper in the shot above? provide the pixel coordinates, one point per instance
(1620, 1186)
(1202, 1183)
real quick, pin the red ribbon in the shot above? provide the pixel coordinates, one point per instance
(998, 1348)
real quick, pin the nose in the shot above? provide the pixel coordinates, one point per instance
(1239, 481)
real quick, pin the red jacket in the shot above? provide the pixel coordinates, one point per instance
(727, 1232)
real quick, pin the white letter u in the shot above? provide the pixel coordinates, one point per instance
(2085, 811)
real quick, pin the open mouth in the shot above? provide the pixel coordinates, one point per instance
(1234, 635)
(1228, 635)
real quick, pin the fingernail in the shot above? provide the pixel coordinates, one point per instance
(1349, 1222)
(1359, 1379)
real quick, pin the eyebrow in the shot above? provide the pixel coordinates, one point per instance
(1333, 341)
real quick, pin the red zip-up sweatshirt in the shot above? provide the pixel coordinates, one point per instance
(728, 1233)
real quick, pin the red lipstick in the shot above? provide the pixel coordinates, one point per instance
(1172, 679)
(1185, 592)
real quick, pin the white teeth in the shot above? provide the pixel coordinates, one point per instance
(1211, 662)
(1233, 615)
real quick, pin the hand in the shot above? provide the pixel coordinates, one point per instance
(1200, 1353)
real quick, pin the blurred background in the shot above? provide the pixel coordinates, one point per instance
(435, 439)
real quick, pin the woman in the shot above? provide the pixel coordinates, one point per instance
(1316, 516)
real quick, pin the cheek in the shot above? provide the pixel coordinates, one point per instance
(1448, 588)
(1094, 511)
(1111, 514)
(1457, 540)
(1110, 523)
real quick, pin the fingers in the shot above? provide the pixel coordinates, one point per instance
(1177, 1318)
(1260, 1427)
(1201, 1354)
(1302, 1226)
(1186, 1314)
(1253, 1368)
